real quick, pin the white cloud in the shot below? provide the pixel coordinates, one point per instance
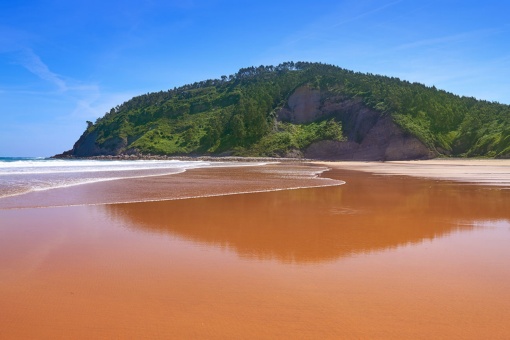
(29, 60)
(367, 13)
(347, 13)
(83, 100)
(460, 37)
(94, 104)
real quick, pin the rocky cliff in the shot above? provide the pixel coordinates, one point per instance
(370, 134)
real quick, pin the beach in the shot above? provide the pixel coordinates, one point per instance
(477, 171)
(392, 250)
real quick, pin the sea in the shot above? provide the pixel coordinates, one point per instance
(21, 175)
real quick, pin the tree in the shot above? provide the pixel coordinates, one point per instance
(213, 132)
(333, 130)
(238, 130)
(190, 135)
(254, 118)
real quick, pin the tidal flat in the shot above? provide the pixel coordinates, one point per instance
(233, 253)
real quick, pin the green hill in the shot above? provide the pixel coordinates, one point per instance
(301, 109)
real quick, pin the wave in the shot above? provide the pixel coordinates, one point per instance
(44, 166)
(269, 178)
(21, 176)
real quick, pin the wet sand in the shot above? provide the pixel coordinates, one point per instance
(202, 182)
(382, 257)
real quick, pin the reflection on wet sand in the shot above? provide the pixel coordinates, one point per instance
(367, 214)
(377, 258)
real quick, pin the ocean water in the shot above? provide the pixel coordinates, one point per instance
(20, 175)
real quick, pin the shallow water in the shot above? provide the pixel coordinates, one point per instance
(19, 176)
(379, 257)
(164, 181)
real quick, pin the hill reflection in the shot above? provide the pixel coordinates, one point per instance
(370, 213)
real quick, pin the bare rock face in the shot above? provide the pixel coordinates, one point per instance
(303, 106)
(86, 146)
(370, 135)
(384, 141)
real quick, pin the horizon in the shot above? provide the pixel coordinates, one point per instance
(65, 63)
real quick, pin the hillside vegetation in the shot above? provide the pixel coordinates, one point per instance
(289, 109)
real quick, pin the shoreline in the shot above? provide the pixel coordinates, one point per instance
(232, 179)
(435, 168)
(212, 181)
(218, 158)
(136, 157)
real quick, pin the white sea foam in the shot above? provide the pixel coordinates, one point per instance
(45, 166)
(20, 176)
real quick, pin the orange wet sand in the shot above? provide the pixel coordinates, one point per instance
(192, 183)
(379, 257)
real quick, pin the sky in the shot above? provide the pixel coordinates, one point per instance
(63, 62)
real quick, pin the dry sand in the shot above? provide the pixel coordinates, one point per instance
(486, 171)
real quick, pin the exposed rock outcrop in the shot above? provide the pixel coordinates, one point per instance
(382, 142)
(370, 134)
(87, 146)
(303, 106)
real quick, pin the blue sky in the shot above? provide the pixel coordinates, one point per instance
(65, 62)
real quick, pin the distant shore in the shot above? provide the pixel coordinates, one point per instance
(494, 172)
(187, 158)
(486, 171)
(219, 158)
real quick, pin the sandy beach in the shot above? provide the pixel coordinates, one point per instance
(477, 171)
(421, 253)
